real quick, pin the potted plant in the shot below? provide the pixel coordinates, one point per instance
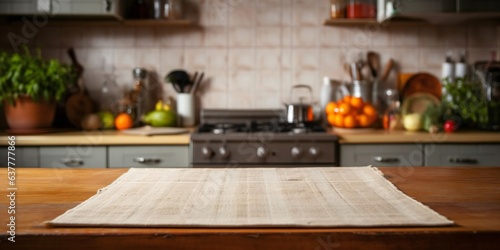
(30, 87)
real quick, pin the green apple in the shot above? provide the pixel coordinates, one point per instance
(107, 119)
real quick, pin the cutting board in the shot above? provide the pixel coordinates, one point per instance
(149, 130)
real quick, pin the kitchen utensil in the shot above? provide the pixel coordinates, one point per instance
(387, 70)
(196, 83)
(78, 104)
(186, 109)
(355, 72)
(422, 83)
(332, 90)
(373, 59)
(300, 112)
(179, 79)
(363, 89)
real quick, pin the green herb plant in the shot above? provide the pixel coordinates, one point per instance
(22, 74)
(464, 101)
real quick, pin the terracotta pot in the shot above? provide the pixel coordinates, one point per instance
(28, 114)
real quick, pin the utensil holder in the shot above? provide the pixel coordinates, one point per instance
(186, 110)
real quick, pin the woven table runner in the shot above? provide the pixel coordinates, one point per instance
(251, 197)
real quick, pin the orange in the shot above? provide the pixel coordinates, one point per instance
(331, 119)
(331, 108)
(338, 121)
(345, 108)
(363, 120)
(123, 121)
(350, 121)
(357, 102)
(347, 99)
(370, 111)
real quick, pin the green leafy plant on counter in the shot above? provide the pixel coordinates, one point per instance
(24, 74)
(464, 101)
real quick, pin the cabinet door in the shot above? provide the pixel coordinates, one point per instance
(462, 155)
(381, 155)
(86, 7)
(148, 156)
(73, 157)
(24, 157)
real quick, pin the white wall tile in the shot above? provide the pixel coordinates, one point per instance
(242, 59)
(330, 37)
(171, 59)
(305, 36)
(241, 13)
(306, 59)
(268, 81)
(216, 37)
(146, 37)
(269, 59)
(481, 36)
(123, 37)
(241, 37)
(242, 81)
(171, 37)
(195, 59)
(148, 58)
(124, 58)
(240, 100)
(217, 59)
(268, 13)
(268, 37)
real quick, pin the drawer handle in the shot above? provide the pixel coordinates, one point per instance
(463, 160)
(73, 162)
(385, 159)
(144, 160)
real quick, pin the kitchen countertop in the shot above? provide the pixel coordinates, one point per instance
(97, 138)
(468, 196)
(401, 136)
(105, 138)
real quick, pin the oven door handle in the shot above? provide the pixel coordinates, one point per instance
(147, 160)
(386, 159)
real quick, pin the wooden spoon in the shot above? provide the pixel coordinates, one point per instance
(373, 59)
(387, 70)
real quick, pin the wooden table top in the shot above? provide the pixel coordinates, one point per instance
(468, 196)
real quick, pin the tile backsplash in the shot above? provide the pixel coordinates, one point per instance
(252, 52)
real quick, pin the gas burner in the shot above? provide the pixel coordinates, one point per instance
(223, 128)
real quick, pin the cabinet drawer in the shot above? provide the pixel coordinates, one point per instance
(24, 157)
(73, 157)
(462, 155)
(382, 155)
(148, 156)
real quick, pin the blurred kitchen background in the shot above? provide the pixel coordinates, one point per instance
(252, 52)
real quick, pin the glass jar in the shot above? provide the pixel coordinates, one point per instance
(392, 116)
(337, 9)
(361, 9)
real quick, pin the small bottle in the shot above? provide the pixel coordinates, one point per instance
(392, 115)
(337, 9)
(448, 68)
(461, 66)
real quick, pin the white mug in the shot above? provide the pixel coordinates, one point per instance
(185, 110)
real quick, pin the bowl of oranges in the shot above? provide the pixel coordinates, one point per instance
(351, 112)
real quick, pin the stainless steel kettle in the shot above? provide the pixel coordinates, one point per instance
(300, 112)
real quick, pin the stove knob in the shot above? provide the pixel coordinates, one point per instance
(207, 152)
(314, 152)
(261, 152)
(224, 153)
(296, 152)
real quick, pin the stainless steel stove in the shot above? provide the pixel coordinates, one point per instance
(248, 138)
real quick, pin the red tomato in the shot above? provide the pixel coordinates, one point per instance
(449, 126)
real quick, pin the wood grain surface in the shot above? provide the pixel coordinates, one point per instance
(468, 196)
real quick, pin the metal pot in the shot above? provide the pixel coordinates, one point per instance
(300, 112)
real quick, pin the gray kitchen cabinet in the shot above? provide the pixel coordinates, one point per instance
(103, 8)
(23, 157)
(81, 156)
(87, 7)
(381, 155)
(148, 156)
(462, 154)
